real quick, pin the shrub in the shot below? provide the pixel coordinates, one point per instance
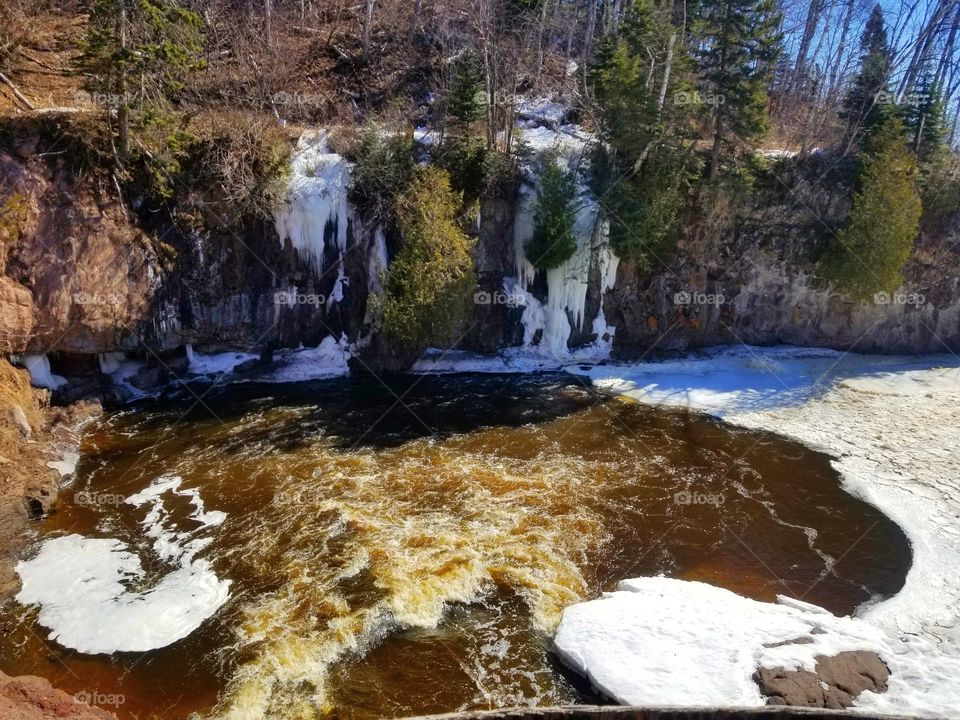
(244, 160)
(869, 253)
(940, 186)
(382, 167)
(429, 282)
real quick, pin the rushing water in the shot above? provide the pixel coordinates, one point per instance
(408, 549)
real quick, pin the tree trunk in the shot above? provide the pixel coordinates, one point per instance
(813, 19)
(123, 107)
(948, 49)
(588, 37)
(268, 21)
(665, 81)
(923, 43)
(367, 27)
(715, 152)
(417, 7)
(836, 69)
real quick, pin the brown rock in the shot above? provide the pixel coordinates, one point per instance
(835, 682)
(854, 672)
(33, 698)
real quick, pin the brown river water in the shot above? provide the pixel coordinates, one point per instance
(407, 550)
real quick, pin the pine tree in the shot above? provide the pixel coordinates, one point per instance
(925, 117)
(739, 46)
(466, 103)
(553, 241)
(136, 54)
(869, 101)
(430, 281)
(642, 165)
(869, 253)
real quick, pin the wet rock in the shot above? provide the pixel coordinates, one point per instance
(148, 378)
(835, 682)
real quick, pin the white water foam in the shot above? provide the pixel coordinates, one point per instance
(90, 590)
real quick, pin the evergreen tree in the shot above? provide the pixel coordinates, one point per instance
(869, 253)
(925, 117)
(645, 109)
(430, 281)
(136, 54)
(739, 45)
(467, 102)
(553, 241)
(869, 101)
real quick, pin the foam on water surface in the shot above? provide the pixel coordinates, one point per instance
(91, 591)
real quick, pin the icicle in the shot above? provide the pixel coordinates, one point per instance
(317, 198)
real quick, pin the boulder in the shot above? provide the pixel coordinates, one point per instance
(835, 682)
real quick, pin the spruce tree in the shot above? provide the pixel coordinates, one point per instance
(466, 103)
(553, 241)
(136, 54)
(739, 45)
(869, 101)
(925, 117)
(869, 253)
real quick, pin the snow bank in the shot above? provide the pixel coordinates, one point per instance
(658, 641)
(316, 206)
(85, 586)
(892, 423)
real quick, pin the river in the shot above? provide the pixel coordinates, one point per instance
(406, 548)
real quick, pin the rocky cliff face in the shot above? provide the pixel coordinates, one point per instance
(750, 281)
(87, 273)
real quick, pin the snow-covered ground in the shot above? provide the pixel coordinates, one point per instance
(893, 425)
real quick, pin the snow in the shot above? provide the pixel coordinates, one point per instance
(316, 199)
(216, 363)
(66, 465)
(542, 110)
(891, 423)
(39, 368)
(569, 141)
(658, 641)
(425, 136)
(328, 359)
(84, 586)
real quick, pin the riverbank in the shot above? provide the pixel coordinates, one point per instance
(38, 448)
(891, 425)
